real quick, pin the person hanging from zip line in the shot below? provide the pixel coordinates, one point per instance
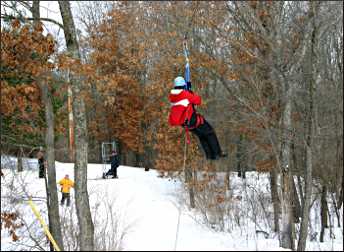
(183, 113)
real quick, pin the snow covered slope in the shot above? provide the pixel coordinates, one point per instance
(138, 211)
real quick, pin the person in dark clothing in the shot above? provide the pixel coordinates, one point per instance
(114, 161)
(40, 157)
(183, 114)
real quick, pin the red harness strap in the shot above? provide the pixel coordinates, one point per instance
(199, 121)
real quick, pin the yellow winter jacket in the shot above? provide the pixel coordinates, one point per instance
(66, 185)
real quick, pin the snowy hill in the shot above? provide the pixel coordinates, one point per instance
(138, 211)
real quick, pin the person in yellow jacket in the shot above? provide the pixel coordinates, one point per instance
(66, 184)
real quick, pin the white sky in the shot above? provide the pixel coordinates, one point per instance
(50, 9)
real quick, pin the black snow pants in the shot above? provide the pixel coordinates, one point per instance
(208, 139)
(65, 196)
(112, 171)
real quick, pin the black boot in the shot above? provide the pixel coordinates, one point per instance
(221, 155)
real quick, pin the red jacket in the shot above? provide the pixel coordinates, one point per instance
(181, 106)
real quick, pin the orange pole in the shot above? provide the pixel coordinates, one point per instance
(71, 125)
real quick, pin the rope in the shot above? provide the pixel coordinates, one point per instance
(186, 138)
(179, 210)
(185, 151)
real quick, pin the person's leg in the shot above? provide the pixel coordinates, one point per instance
(115, 173)
(211, 139)
(204, 143)
(110, 172)
(63, 199)
(68, 199)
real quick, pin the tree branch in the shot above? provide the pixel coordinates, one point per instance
(41, 19)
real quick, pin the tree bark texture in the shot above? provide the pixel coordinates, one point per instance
(275, 199)
(324, 211)
(86, 234)
(309, 139)
(20, 162)
(50, 172)
(53, 204)
(286, 236)
(190, 184)
(296, 203)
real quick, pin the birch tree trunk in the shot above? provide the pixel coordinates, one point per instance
(86, 234)
(50, 172)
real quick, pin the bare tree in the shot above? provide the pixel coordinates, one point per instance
(309, 140)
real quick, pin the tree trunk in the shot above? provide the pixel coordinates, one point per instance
(296, 203)
(324, 211)
(48, 207)
(228, 178)
(275, 199)
(189, 182)
(239, 157)
(287, 212)
(336, 210)
(299, 184)
(20, 161)
(286, 237)
(309, 140)
(53, 205)
(340, 198)
(70, 124)
(306, 207)
(86, 234)
(50, 172)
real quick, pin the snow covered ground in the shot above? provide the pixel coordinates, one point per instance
(138, 211)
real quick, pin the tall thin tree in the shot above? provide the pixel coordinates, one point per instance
(309, 139)
(86, 235)
(52, 197)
